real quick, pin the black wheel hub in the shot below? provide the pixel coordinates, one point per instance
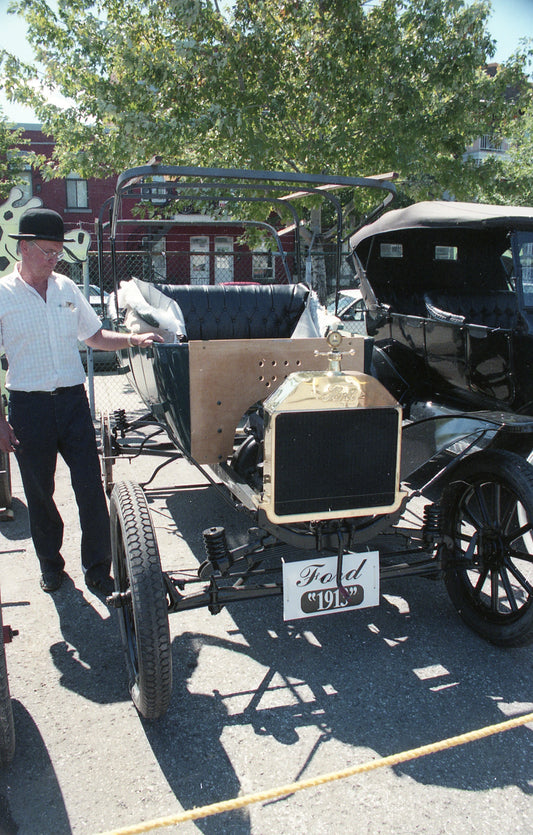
(491, 548)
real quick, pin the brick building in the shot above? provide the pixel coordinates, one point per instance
(193, 251)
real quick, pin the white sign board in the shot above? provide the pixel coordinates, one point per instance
(310, 587)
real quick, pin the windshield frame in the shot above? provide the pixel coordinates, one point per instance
(522, 248)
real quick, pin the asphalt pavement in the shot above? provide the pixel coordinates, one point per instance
(256, 703)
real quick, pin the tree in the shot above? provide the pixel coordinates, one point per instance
(12, 160)
(517, 180)
(344, 86)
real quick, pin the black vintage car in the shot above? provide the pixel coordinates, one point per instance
(449, 289)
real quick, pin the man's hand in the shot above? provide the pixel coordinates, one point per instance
(8, 440)
(142, 340)
(104, 340)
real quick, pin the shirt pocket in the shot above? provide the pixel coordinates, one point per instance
(65, 323)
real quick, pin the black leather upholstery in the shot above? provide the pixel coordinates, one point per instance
(402, 300)
(494, 310)
(236, 311)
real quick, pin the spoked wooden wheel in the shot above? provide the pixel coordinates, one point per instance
(143, 617)
(488, 561)
(7, 726)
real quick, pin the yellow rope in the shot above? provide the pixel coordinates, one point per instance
(271, 794)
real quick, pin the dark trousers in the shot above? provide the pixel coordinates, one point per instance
(46, 424)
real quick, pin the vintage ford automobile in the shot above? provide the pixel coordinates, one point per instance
(449, 289)
(286, 415)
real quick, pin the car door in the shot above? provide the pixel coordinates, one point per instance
(472, 360)
(446, 354)
(489, 363)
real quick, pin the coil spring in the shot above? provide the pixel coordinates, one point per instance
(432, 522)
(120, 422)
(216, 545)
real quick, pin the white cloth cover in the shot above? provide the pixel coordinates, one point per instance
(315, 320)
(149, 310)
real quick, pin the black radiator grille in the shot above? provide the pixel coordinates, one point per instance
(335, 460)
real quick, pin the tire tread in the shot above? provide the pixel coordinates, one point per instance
(151, 684)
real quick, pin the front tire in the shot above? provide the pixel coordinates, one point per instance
(106, 449)
(144, 616)
(488, 555)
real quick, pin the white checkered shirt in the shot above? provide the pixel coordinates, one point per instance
(40, 337)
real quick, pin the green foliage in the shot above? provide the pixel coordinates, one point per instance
(321, 86)
(12, 159)
(517, 180)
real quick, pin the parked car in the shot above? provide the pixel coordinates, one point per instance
(448, 289)
(349, 307)
(98, 300)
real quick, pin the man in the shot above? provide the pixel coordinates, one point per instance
(42, 316)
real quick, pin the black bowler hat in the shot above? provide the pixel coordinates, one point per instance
(41, 224)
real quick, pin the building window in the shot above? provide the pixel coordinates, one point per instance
(22, 173)
(490, 143)
(223, 262)
(152, 193)
(77, 193)
(25, 185)
(199, 249)
(262, 267)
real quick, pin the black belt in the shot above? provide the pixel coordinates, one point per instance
(59, 390)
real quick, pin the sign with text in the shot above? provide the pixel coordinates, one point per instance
(310, 587)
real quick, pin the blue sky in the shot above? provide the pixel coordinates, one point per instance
(510, 21)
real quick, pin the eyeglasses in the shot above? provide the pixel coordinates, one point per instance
(50, 253)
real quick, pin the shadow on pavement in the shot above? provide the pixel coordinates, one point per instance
(188, 748)
(18, 527)
(387, 680)
(31, 780)
(91, 653)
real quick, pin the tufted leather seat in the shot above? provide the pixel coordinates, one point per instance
(236, 311)
(494, 310)
(402, 300)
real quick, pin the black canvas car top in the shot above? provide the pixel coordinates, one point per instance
(444, 213)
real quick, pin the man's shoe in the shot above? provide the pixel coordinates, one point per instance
(104, 585)
(51, 580)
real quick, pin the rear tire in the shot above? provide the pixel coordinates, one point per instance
(144, 616)
(5, 476)
(488, 560)
(7, 725)
(5, 484)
